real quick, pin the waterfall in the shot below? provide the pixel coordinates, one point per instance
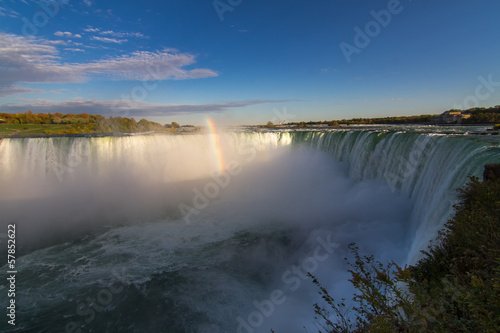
(99, 216)
(427, 168)
(162, 156)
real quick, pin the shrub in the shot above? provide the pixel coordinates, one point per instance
(454, 288)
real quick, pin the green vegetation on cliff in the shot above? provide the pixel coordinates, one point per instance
(483, 115)
(29, 123)
(454, 288)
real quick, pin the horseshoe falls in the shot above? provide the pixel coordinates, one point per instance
(216, 232)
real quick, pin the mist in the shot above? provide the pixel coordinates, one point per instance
(273, 213)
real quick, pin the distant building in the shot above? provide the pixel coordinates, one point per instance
(450, 117)
(2, 121)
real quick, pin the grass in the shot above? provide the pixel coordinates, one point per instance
(29, 129)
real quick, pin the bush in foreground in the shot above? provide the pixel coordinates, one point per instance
(454, 288)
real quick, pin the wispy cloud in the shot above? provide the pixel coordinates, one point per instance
(91, 29)
(111, 33)
(28, 60)
(122, 34)
(109, 40)
(160, 65)
(9, 12)
(34, 60)
(87, 2)
(58, 91)
(56, 42)
(129, 107)
(7, 90)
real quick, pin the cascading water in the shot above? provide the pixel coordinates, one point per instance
(426, 168)
(176, 234)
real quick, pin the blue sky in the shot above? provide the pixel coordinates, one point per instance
(248, 61)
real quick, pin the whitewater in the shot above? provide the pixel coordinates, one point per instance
(215, 232)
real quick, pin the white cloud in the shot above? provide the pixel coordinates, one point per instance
(34, 60)
(63, 34)
(73, 49)
(109, 40)
(91, 29)
(26, 59)
(87, 2)
(66, 34)
(160, 65)
(111, 33)
(128, 108)
(56, 42)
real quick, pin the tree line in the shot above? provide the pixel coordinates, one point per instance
(479, 115)
(483, 115)
(86, 124)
